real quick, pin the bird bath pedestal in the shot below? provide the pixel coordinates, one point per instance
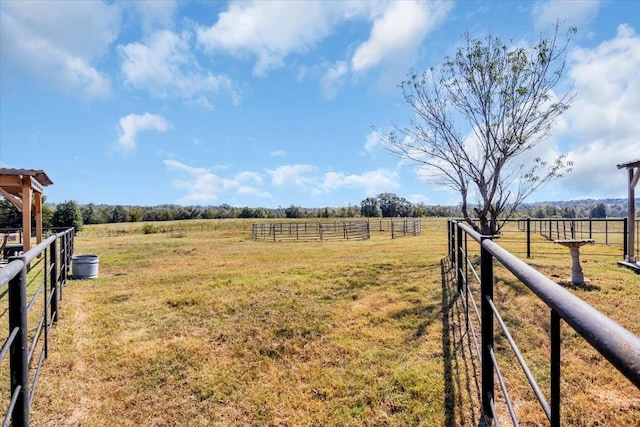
(577, 278)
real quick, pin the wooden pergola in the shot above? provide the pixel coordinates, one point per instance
(633, 170)
(23, 188)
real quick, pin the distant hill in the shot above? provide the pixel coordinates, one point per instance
(579, 202)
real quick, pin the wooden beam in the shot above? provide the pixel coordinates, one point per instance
(15, 200)
(35, 185)
(636, 176)
(11, 181)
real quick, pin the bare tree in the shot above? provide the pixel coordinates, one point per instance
(477, 115)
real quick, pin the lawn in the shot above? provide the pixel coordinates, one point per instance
(200, 325)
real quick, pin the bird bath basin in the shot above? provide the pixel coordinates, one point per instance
(574, 245)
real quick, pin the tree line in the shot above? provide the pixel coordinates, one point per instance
(387, 205)
(70, 213)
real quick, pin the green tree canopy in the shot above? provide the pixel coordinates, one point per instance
(67, 214)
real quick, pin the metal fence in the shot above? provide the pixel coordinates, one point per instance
(335, 230)
(606, 231)
(618, 345)
(401, 227)
(30, 288)
(529, 232)
(323, 231)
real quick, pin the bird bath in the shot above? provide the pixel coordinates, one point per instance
(577, 278)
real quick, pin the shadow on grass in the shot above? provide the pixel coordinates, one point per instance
(461, 382)
(578, 286)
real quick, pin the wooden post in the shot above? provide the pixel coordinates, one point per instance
(633, 171)
(37, 197)
(26, 213)
(633, 181)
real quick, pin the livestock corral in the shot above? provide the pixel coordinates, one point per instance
(335, 230)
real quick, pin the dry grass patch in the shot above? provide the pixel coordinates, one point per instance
(211, 328)
(220, 330)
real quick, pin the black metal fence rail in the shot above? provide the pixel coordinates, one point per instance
(605, 231)
(30, 288)
(323, 231)
(617, 344)
(609, 229)
(401, 227)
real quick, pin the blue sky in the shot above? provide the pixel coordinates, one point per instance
(278, 103)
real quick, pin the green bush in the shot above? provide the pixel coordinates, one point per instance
(148, 229)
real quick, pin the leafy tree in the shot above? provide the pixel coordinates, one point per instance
(599, 211)
(9, 216)
(67, 214)
(47, 215)
(477, 115)
(569, 212)
(135, 214)
(246, 212)
(293, 212)
(118, 214)
(260, 213)
(370, 207)
(393, 206)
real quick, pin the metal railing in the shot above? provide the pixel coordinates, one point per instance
(617, 344)
(30, 288)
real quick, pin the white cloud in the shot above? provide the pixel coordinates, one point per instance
(603, 120)
(204, 187)
(249, 176)
(333, 78)
(419, 198)
(373, 142)
(574, 13)
(132, 124)
(278, 153)
(398, 32)
(372, 183)
(164, 66)
(201, 185)
(155, 14)
(57, 42)
(298, 175)
(269, 30)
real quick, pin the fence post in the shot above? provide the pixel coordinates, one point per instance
(459, 259)
(528, 237)
(452, 251)
(18, 352)
(466, 281)
(486, 294)
(54, 280)
(625, 240)
(555, 369)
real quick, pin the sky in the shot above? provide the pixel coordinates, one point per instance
(279, 103)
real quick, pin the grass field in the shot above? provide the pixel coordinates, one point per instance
(207, 327)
